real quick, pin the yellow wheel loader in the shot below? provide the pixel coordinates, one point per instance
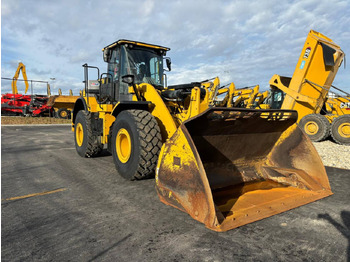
(306, 92)
(338, 106)
(337, 110)
(225, 167)
(247, 97)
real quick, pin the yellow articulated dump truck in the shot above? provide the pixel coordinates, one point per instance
(306, 91)
(223, 166)
(62, 105)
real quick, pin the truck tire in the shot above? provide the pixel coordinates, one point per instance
(86, 144)
(340, 130)
(316, 126)
(136, 143)
(63, 113)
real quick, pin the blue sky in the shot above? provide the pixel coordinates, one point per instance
(245, 42)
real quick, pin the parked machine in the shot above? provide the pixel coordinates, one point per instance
(338, 106)
(225, 167)
(338, 113)
(21, 67)
(247, 97)
(24, 105)
(306, 92)
(62, 105)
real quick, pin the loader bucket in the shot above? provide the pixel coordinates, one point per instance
(230, 167)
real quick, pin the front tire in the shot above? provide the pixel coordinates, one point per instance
(340, 130)
(316, 126)
(136, 143)
(86, 144)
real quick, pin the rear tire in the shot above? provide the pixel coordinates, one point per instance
(316, 126)
(136, 143)
(86, 144)
(340, 130)
(63, 113)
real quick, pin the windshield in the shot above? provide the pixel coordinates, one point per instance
(277, 97)
(145, 64)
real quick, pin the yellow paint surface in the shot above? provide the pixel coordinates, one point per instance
(35, 194)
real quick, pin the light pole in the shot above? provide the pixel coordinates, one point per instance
(53, 79)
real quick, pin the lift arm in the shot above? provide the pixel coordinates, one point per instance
(20, 67)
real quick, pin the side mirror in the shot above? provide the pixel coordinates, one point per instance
(168, 63)
(106, 55)
(128, 79)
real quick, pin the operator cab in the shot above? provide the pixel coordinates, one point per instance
(276, 96)
(143, 61)
(275, 99)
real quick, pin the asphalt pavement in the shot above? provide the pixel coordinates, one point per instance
(58, 206)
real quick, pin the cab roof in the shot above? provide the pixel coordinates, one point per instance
(124, 41)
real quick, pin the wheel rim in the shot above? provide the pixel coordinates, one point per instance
(123, 145)
(63, 114)
(344, 130)
(79, 134)
(311, 128)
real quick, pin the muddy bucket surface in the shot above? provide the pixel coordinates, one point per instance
(229, 167)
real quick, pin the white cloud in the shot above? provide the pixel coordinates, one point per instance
(147, 7)
(241, 41)
(80, 57)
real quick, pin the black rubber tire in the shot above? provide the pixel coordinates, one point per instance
(340, 138)
(91, 145)
(322, 124)
(63, 113)
(146, 142)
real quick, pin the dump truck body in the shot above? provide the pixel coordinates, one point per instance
(313, 75)
(62, 105)
(306, 92)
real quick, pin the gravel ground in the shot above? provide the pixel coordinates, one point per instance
(90, 213)
(333, 154)
(20, 120)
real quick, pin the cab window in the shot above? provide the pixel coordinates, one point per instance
(113, 65)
